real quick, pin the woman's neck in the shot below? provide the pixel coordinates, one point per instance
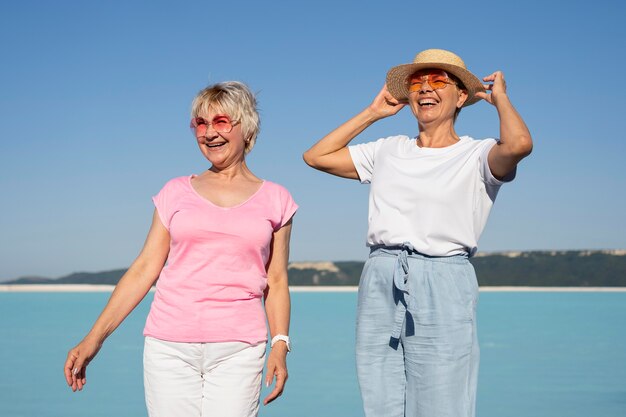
(236, 171)
(437, 136)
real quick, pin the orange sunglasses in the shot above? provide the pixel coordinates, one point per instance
(436, 80)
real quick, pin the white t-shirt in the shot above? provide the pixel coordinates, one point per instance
(437, 199)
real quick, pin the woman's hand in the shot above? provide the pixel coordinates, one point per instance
(276, 367)
(497, 88)
(77, 360)
(385, 105)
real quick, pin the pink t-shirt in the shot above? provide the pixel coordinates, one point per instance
(211, 288)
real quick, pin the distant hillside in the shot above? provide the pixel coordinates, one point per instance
(100, 278)
(536, 268)
(558, 269)
(540, 268)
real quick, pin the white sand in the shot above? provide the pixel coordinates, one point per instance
(109, 288)
(56, 288)
(552, 289)
(482, 289)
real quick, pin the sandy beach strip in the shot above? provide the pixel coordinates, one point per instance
(109, 288)
(552, 289)
(482, 289)
(56, 288)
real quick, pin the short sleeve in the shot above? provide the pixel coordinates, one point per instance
(363, 156)
(164, 201)
(485, 171)
(492, 183)
(288, 207)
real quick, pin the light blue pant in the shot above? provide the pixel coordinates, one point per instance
(416, 346)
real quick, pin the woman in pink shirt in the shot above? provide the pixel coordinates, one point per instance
(218, 245)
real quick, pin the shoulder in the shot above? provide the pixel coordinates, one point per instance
(275, 189)
(478, 146)
(387, 143)
(470, 142)
(177, 184)
(168, 198)
(279, 201)
(394, 141)
(398, 139)
(182, 180)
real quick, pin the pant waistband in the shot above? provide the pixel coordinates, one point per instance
(409, 251)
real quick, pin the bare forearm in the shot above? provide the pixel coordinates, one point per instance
(515, 140)
(331, 154)
(278, 308)
(128, 293)
(514, 134)
(340, 137)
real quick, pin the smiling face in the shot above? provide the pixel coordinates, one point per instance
(230, 98)
(434, 97)
(220, 139)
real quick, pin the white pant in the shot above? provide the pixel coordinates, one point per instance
(202, 379)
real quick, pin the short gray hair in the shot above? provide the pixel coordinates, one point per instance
(235, 99)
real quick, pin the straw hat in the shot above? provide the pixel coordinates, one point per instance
(397, 77)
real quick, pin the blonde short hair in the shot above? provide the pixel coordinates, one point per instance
(235, 99)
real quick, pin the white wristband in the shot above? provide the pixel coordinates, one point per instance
(282, 337)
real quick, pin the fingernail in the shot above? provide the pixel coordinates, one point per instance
(75, 371)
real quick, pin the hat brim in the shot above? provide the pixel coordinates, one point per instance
(398, 85)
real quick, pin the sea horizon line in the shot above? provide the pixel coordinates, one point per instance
(294, 288)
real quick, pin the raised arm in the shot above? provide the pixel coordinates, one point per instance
(515, 140)
(331, 153)
(278, 309)
(130, 290)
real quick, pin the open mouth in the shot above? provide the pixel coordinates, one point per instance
(215, 145)
(427, 102)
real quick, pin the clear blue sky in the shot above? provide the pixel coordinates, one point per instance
(94, 102)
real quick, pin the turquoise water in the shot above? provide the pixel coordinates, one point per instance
(543, 354)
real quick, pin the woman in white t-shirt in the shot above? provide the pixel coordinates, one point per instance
(430, 196)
